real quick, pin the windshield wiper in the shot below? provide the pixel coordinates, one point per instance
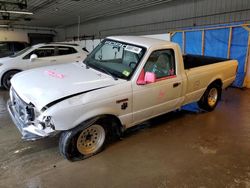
(86, 63)
(102, 69)
(107, 72)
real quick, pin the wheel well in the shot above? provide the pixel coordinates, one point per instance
(217, 82)
(18, 70)
(116, 125)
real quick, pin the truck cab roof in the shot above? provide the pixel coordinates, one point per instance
(143, 41)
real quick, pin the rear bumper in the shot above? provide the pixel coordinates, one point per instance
(28, 131)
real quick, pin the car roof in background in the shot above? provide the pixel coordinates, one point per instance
(63, 43)
(55, 43)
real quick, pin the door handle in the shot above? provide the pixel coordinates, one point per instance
(176, 84)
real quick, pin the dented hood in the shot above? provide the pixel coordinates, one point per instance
(45, 85)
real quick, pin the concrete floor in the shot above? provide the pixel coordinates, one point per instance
(179, 150)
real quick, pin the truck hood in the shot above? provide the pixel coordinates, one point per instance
(45, 85)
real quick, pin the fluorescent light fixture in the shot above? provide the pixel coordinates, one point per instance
(15, 12)
(4, 25)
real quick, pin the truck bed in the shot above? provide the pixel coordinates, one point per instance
(192, 61)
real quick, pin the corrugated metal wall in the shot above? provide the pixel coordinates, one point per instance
(173, 15)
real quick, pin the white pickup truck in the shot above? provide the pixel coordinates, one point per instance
(123, 82)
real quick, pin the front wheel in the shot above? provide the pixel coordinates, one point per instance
(83, 141)
(210, 98)
(7, 77)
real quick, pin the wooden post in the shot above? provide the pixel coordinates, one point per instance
(183, 42)
(246, 28)
(229, 42)
(203, 42)
(247, 65)
(172, 34)
(247, 61)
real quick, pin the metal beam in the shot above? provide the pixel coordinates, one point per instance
(21, 4)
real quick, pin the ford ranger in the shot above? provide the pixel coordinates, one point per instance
(123, 82)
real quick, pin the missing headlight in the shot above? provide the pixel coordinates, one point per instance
(48, 122)
(30, 112)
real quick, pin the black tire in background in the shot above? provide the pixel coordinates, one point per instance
(210, 98)
(7, 77)
(84, 141)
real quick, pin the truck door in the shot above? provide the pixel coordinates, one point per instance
(162, 95)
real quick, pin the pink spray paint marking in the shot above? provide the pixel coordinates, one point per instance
(161, 95)
(54, 74)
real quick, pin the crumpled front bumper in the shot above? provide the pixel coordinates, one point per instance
(28, 131)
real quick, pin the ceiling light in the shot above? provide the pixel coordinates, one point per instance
(15, 12)
(4, 25)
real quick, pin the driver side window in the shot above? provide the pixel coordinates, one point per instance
(162, 63)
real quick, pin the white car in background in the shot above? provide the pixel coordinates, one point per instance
(37, 56)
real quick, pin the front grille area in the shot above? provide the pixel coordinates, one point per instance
(23, 111)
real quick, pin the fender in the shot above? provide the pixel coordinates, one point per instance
(96, 113)
(218, 78)
(70, 96)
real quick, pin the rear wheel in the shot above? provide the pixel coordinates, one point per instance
(83, 141)
(7, 77)
(210, 98)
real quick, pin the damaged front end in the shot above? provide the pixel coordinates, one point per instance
(25, 116)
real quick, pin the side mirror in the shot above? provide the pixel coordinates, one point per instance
(146, 78)
(33, 57)
(150, 77)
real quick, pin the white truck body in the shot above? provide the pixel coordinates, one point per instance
(75, 93)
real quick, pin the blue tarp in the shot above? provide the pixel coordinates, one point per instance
(216, 42)
(193, 43)
(177, 38)
(192, 107)
(239, 51)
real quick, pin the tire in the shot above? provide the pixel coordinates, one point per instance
(210, 98)
(84, 141)
(7, 77)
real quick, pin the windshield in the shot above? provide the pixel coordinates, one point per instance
(21, 52)
(115, 58)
